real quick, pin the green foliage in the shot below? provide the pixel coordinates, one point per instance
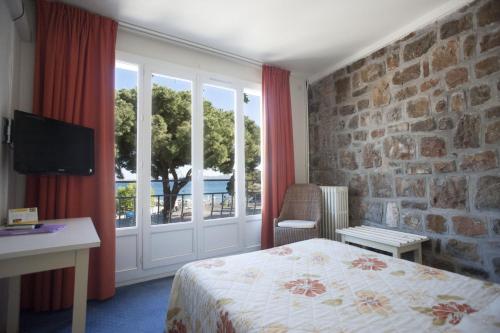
(171, 136)
(127, 195)
(125, 130)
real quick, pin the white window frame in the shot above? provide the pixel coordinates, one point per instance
(143, 227)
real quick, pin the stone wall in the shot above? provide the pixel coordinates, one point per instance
(414, 131)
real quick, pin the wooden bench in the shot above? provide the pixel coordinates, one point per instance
(395, 242)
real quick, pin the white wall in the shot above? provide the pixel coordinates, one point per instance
(7, 38)
(298, 93)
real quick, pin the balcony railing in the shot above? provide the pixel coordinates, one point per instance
(215, 205)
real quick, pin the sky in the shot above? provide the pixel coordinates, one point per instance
(222, 98)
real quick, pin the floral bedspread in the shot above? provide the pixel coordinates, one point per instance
(325, 286)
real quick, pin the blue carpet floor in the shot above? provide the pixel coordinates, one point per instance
(137, 308)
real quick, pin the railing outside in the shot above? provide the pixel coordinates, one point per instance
(215, 205)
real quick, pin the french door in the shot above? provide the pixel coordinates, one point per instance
(188, 183)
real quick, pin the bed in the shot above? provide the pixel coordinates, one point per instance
(320, 285)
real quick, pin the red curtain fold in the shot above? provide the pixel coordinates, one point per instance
(74, 82)
(279, 169)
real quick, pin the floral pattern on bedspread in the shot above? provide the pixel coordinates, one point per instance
(324, 286)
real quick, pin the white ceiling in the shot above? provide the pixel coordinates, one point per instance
(304, 36)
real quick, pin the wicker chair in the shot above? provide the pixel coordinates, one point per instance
(300, 215)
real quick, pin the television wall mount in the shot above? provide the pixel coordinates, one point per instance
(7, 131)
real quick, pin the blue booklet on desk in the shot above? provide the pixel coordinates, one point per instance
(42, 229)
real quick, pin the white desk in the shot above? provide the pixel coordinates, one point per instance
(41, 252)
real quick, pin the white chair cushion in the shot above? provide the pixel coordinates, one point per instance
(299, 224)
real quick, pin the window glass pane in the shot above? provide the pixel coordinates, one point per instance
(218, 142)
(125, 144)
(171, 150)
(253, 165)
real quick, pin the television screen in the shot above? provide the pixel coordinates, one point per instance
(48, 146)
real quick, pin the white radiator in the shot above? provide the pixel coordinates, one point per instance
(335, 211)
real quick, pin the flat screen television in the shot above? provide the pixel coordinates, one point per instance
(48, 146)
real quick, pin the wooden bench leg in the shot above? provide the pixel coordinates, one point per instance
(396, 253)
(418, 255)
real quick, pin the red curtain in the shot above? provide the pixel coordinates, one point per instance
(74, 82)
(279, 169)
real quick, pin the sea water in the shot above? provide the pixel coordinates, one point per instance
(210, 186)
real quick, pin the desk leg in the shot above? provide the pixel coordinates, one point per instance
(80, 294)
(13, 304)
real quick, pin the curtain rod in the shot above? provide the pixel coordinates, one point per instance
(183, 42)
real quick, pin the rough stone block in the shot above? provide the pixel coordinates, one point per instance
(418, 169)
(441, 106)
(493, 112)
(344, 140)
(372, 72)
(432, 147)
(406, 93)
(381, 185)
(469, 46)
(490, 41)
(347, 110)
(468, 226)
(462, 250)
(436, 223)
(360, 92)
(356, 65)
(353, 122)
(392, 61)
(457, 102)
(479, 94)
(400, 147)
(381, 94)
(449, 192)
(405, 204)
(406, 75)
(456, 77)
(467, 133)
(429, 84)
(393, 114)
(426, 125)
(413, 221)
(376, 118)
(398, 128)
(492, 134)
(342, 89)
(445, 166)
(358, 186)
(363, 104)
(392, 214)
(487, 66)
(348, 160)
(445, 56)
(418, 107)
(378, 53)
(372, 158)
(360, 135)
(419, 47)
(410, 187)
(474, 272)
(445, 123)
(488, 193)
(488, 13)
(451, 28)
(479, 162)
(378, 133)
